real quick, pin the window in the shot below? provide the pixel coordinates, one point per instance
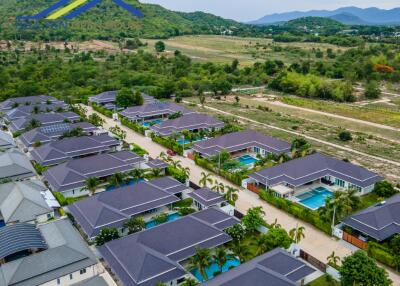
(58, 281)
(82, 271)
(339, 183)
(70, 277)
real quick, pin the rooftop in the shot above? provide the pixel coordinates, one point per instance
(195, 121)
(303, 170)
(239, 141)
(112, 209)
(15, 165)
(380, 221)
(73, 174)
(277, 267)
(23, 111)
(154, 109)
(158, 250)
(157, 164)
(39, 99)
(104, 97)
(207, 197)
(6, 140)
(66, 149)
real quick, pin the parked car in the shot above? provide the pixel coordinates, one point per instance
(171, 153)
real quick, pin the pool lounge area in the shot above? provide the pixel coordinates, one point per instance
(214, 268)
(314, 198)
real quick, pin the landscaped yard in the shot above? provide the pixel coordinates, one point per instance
(324, 281)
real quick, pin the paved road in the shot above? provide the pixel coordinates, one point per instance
(316, 242)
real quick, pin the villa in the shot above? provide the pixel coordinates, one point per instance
(276, 267)
(160, 252)
(379, 222)
(70, 178)
(15, 165)
(311, 179)
(26, 201)
(190, 122)
(28, 100)
(154, 112)
(66, 149)
(107, 99)
(27, 110)
(6, 141)
(113, 208)
(52, 133)
(45, 119)
(48, 254)
(241, 144)
(205, 198)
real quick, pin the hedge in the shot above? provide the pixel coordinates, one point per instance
(168, 143)
(133, 125)
(139, 150)
(102, 110)
(176, 173)
(297, 211)
(381, 254)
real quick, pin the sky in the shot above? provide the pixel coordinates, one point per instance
(248, 10)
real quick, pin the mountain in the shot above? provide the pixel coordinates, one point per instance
(354, 15)
(109, 21)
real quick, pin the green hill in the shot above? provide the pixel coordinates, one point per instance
(109, 21)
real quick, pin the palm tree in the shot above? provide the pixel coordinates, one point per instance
(297, 234)
(35, 109)
(176, 164)
(155, 172)
(137, 174)
(117, 179)
(231, 195)
(333, 259)
(201, 260)
(91, 185)
(135, 224)
(205, 179)
(220, 257)
(275, 224)
(262, 244)
(218, 187)
(241, 251)
(186, 172)
(33, 123)
(163, 156)
(190, 282)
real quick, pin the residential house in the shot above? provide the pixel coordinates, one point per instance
(14, 165)
(113, 208)
(6, 141)
(66, 149)
(205, 198)
(107, 99)
(28, 100)
(70, 178)
(27, 110)
(159, 252)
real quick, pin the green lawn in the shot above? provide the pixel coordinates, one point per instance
(324, 281)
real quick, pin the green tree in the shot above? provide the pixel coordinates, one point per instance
(32, 124)
(159, 46)
(201, 260)
(117, 179)
(241, 250)
(135, 224)
(91, 184)
(253, 219)
(220, 257)
(106, 235)
(275, 237)
(231, 195)
(359, 269)
(218, 187)
(297, 234)
(160, 219)
(127, 98)
(237, 232)
(333, 259)
(341, 204)
(137, 174)
(155, 173)
(384, 189)
(202, 99)
(372, 90)
(189, 282)
(206, 178)
(95, 119)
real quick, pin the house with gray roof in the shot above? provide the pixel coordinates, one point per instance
(113, 208)
(190, 122)
(66, 149)
(152, 111)
(107, 99)
(51, 133)
(15, 165)
(6, 141)
(274, 268)
(45, 119)
(48, 254)
(27, 100)
(204, 198)
(69, 178)
(380, 221)
(160, 251)
(95, 281)
(237, 143)
(26, 201)
(27, 110)
(288, 178)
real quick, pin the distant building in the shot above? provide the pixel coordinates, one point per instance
(28, 100)
(6, 141)
(15, 165)
(27, 110)
(107, 99)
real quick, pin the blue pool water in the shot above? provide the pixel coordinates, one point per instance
(185, 142)
(150, 123)
(131, 183)
(315, 198)
(171, 217)
(214, 268)
(2, 223)
(247, 160)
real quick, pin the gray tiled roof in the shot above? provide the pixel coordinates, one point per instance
(104, 97)
(154, 109)
(53, 132)
(277, 268)
(6, 141)
(195, 121)
(380, 221)
(45, 119)
(39, 99)
(207, 197)
(22, 201)
(66, 149)
(112, 209)
(95, 281)
(157, 251)
(303, 170)
(15, 165)
(73, 174)
(157, 164)
(239, 141)
(23, 111)
(66, 253)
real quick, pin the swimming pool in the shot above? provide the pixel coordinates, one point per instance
(151, 123)
(171, 217)
(247, 160)
(185, 142)
(131, 183)
(215, 268)
(315, 198)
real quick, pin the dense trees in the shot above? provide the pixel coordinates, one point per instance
(127, 98)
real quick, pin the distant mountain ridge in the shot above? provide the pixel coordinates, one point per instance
(345, 15)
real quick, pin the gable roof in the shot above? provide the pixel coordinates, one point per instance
(104, 97)
(65, 149)
(39, 99)
(114, 208)
(206, 197)
(94, 281)
(156, 164)
(277, 267)
(6, 140)
(158, 250)
(72, 174)
(22, 201)
(15, 165)
(187, 122)
(380, 221)
(239, 141)
(66, 253)
(303, 170)
(26, 110)
(154, 109)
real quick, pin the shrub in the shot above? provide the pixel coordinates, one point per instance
(384, 189)
(168, 143)
(381, 254)
(345, 136)
(39, 168)
(133, 125)
(139, 150)
(102, 110)
(186, 211)
(176, 173)
(186, 203)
